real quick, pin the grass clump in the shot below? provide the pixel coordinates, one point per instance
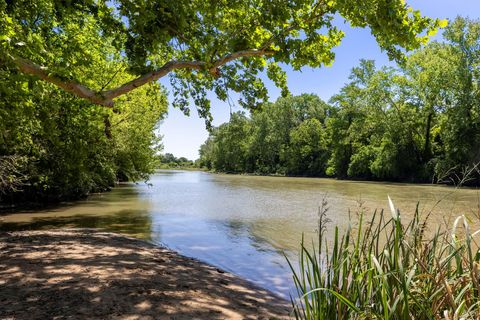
(385, 269)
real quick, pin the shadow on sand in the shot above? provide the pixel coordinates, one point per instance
(78, 274)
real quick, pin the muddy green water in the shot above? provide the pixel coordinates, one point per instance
(243, 224)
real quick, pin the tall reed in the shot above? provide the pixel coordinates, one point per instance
(385, 269)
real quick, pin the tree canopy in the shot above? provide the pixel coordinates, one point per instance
(215, 45)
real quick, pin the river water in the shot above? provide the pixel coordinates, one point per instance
(243, 224)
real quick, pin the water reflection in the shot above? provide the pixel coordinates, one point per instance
(121, 211)
(243, 224)
(136, 223)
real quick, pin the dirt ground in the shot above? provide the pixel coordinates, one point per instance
(85, 274)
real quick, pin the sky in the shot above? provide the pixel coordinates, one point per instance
(182, 135)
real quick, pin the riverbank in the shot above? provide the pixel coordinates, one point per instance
(83, 273)
(180, 168)
(465, 183)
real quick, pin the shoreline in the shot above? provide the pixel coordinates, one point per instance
(87, 273)
(350, 180)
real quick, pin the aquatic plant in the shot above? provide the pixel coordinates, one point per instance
(386, 269)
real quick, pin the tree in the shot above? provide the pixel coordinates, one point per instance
(230, 152)
(203, 45)
(169, 158)
(57, 146)
(459, 126)
(206, 152)
(271, 128)
(308, 152)
(341, 126)
(133, 130)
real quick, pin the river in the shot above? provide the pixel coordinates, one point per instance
(243, 224)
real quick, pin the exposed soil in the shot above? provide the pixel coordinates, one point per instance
(86, 274)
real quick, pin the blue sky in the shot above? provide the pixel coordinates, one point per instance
(183, 135)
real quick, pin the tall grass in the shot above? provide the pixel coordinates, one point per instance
(386, 269)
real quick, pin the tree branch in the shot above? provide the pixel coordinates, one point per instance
(152, 76)
(240, 54)
(105, 98)
(28, 67)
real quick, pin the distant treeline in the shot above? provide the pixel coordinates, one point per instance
(419, 122)
(168, 160)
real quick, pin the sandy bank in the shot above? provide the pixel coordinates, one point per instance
(85, 274)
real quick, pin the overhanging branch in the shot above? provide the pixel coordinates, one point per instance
(105, 98)
(28, 67)
(152, 76)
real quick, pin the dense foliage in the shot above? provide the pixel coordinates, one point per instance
(55, 146)
(419, 121)
(203, 45)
